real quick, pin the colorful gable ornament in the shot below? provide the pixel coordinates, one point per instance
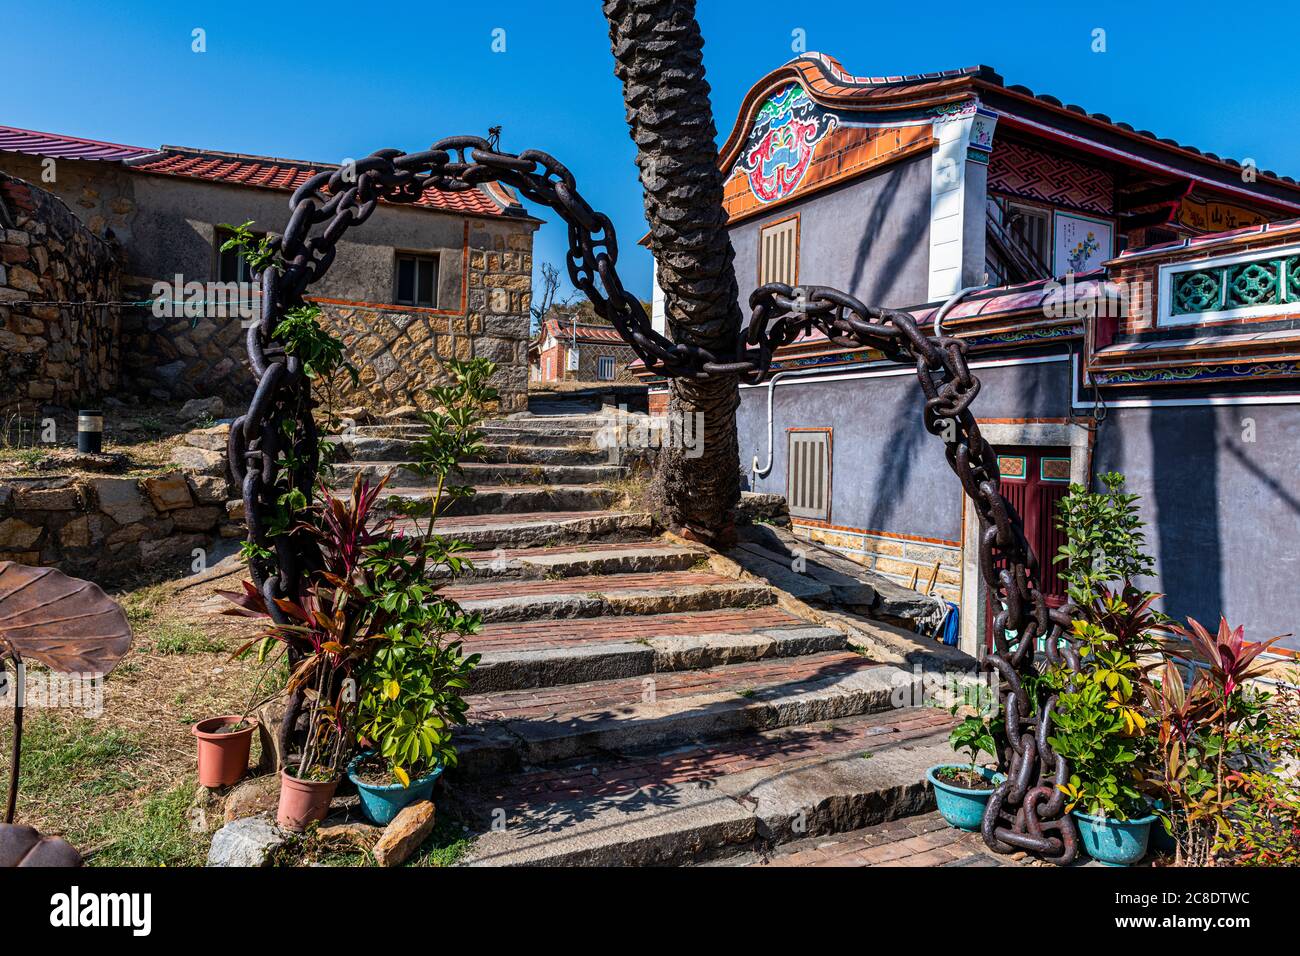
(781, 145)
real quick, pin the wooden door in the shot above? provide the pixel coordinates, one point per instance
(1034, 479)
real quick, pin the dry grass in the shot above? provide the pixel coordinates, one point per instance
(119, 785)
(146, 435)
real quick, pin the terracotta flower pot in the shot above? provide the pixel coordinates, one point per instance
(303, 801)
(223, 758)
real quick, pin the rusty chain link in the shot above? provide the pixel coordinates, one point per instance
(275, 447)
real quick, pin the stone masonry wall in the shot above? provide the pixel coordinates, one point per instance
(54, 353)
(399, 351)
(168, 226)
(590, 354)
(105, 528)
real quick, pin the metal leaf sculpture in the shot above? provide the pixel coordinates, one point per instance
(67, 624)
(70, 626)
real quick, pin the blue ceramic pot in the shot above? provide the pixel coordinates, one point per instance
(1115, 842)
(962, 808)
(381, 803)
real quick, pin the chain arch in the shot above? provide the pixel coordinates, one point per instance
(1026, 811)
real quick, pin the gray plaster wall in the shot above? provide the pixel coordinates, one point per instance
(870, 238)
(168, 224)
(175, 229)
(888, 472)
(1223, 512)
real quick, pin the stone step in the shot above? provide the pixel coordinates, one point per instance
(479, 474)
(548, 653)
(697, 802)
(504, 499)
(538, 726)
(533, 454)
(544, 529)
(542, 434)
(630, 557)
(608, 595)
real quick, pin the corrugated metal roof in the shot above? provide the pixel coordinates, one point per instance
(15, 140)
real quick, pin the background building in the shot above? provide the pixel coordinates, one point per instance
(449, 276)
(1144, 317)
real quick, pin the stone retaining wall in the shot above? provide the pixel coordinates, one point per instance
(49, 352)
(105, 528)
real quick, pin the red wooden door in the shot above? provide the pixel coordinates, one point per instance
(1034, 479)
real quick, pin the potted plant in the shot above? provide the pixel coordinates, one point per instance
(409, 702)
(962, 791)
(1099, 727)
(411, 685)
(224, 744)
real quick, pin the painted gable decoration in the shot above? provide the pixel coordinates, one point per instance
(781, 145)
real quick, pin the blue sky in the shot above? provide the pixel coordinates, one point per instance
(334, 84)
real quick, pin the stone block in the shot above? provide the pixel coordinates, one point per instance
(169, 492)
(121, 499)
(53, 496)
(203, 518)
(18, 535)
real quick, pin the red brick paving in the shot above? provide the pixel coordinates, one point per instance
(924, 840)
(569, 701)
(618, 776)
(551, 635)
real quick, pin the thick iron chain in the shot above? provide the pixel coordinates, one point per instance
(1026, 811)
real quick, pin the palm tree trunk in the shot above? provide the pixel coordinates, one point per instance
(657, 52)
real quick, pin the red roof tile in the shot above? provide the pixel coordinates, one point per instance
(15, 140)
(289, 174)
(585, 333)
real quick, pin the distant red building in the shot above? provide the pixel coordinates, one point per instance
(573, 351)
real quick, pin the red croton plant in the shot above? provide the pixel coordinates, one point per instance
(1221, 747)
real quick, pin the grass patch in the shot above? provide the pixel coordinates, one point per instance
(157, 832)
(68, 760)
(746, 692)
(179, 638)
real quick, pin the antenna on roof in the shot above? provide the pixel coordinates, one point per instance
(494, 137)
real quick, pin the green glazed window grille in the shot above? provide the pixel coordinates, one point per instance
(1241, 285)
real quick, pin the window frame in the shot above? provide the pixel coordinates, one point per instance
(600, 368)
(795, 229)
(435, 259)
(242, 273)
(1165, 316)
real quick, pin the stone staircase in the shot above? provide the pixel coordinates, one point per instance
(645, 700)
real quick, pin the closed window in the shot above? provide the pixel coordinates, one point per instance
(808, 475)
(778, 253)
(417, 280)
(605, 369)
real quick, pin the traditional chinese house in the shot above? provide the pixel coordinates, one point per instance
(1139, 315)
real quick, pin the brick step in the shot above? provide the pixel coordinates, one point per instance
(538, 726)
(547, 654)
(615, 558)
(608, 595)
(925, 840)
(695, 801)
(544, 529)
(504, 499)
(480, 474)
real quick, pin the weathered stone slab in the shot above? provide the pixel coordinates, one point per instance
(251, 841)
